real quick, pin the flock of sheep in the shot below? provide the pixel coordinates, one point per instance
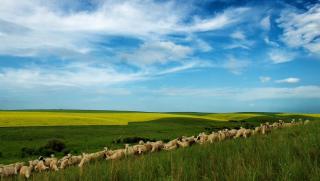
(53, 164)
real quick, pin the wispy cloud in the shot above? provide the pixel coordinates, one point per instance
(70, 76)
(265, 23)
(240, 41)
(264, 79)
(236, 66)
(238, 35)
(157, 52)
(289, 80)
(84, 75)
(271, 43)
(301, 29)
(75, 30)
(245, 94)
(281, 56)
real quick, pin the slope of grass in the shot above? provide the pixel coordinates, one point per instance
(286, 154)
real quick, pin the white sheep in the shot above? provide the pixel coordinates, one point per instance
(86, 158)
(144, 148)
(213, 137)
(26, 171)
(51, 163)
(11, 169)
(114, 154)
(41, 166)
(131, 150)
(70, 160)
(157, 146)
(202, 138)
(171, 145)
(231, 133)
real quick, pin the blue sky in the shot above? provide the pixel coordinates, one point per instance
(209, 55)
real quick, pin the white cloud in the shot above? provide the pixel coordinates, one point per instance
(245, 94)
(70, 76)
(301, 29)
(280, 93)
(157, 52)
(264, 79)
(269, 42)
(265, 23)
(238, 35)
(83, 75)
(289, 80)
(281, 56)
(51, 28)
(237, 45)
(236, 66)
(228, 17)
(203, 45)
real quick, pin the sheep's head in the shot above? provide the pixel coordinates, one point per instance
(141, 142)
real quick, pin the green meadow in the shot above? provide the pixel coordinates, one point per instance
(256, 158)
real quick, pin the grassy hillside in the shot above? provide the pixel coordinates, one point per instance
(286, 154)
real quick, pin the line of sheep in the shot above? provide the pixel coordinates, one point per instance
(53, 164)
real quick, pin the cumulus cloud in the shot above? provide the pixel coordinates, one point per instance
(289, 80)
(301, 29)
(281, 56)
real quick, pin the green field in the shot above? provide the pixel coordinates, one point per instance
(88, 131)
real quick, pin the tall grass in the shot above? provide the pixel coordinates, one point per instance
(286, 154)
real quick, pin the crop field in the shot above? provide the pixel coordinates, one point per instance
(67, 118)
(24, 134)
(80, 118)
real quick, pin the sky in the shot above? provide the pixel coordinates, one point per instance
(156, 55)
